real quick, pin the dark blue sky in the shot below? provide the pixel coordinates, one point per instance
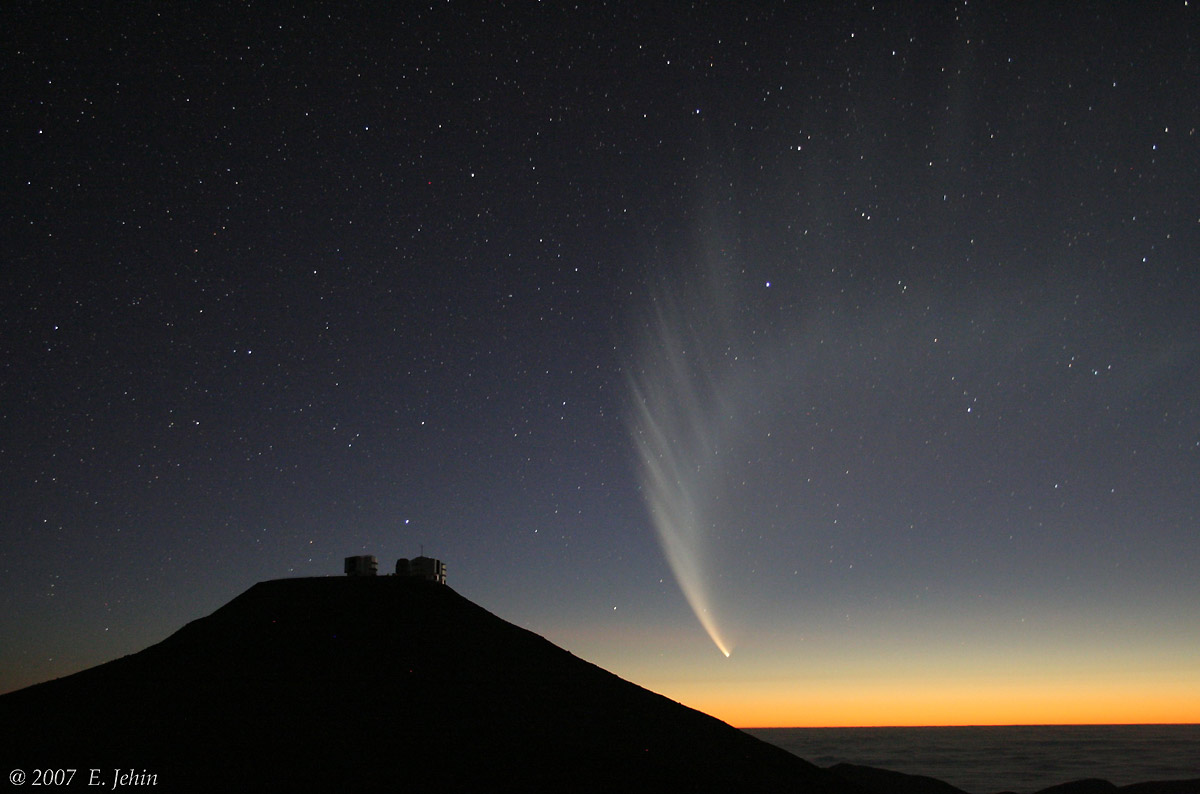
(915, 287)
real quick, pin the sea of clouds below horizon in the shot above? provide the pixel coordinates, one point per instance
(1022, 759)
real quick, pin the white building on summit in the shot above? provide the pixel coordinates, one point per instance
(365, 565)
(426, 568)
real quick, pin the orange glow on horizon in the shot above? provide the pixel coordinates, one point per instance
(913, 673)
(900, 704)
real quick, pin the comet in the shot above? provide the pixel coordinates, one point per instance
(681, 418)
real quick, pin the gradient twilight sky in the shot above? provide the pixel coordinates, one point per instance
(883, 318)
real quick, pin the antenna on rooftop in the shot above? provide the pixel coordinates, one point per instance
(422, 549)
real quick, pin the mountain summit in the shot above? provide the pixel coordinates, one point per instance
(376, 683)
(379, 683)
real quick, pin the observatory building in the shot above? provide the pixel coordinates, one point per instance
(365, 565)
(426, 568)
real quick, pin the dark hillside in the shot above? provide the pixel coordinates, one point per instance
(388, 684)
(381, 683)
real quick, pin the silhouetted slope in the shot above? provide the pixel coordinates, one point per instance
(882, 780)
(380, 683)
(391, 684)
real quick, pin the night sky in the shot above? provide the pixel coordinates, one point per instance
(861, 341)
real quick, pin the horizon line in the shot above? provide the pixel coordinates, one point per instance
(971, 725)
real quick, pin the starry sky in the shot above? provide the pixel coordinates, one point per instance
(860, 341)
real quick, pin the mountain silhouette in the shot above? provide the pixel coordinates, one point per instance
(393, 684)
(379, 683)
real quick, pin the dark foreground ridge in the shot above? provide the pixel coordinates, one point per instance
(387, 684)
